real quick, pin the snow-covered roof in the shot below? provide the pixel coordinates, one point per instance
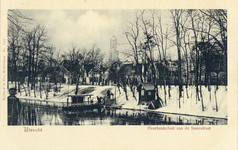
(80, 95)
(148, 86)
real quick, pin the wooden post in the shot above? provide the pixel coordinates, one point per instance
(115, 95)
(67, 101)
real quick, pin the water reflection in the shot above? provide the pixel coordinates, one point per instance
(37, 115)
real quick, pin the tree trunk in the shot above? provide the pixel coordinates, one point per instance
(77, 85)
(40, 89)
(179, 63)
(125, 90)
(216, 99)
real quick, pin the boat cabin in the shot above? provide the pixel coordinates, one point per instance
(147, 92)
(80, 98)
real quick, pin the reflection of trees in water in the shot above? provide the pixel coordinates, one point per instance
(36, 115)
(51, 116)
(28, 116)
(79, 117)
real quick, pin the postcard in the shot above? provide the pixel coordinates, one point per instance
(118, 75)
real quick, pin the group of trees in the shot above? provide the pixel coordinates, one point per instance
(79, 62)
(34, 63)
(198, 36)
(28, 51)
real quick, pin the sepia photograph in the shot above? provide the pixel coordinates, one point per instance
(118, 75)
(117, 67)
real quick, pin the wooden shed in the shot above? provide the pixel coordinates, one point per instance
(147, 92)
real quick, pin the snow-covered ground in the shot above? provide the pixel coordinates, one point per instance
(192, 106)
(188, 105)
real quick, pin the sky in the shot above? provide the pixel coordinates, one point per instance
(82, 28)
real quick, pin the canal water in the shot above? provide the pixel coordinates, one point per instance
(51, 116)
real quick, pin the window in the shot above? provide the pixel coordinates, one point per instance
(149, 93)
(142, 92)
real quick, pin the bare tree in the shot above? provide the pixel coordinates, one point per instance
(177, 20)
(160, 36)
(94, 60)
(74, 63)
(132, 33)
(15, 50)
(35, 43)
(16, 22)
(16, 18)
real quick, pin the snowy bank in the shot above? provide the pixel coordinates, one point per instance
(188, 105)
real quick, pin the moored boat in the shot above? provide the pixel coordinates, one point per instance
(81, 102)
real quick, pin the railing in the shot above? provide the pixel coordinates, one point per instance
(43, 103)
(46, 103)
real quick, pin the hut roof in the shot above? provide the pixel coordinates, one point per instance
(148, 86)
